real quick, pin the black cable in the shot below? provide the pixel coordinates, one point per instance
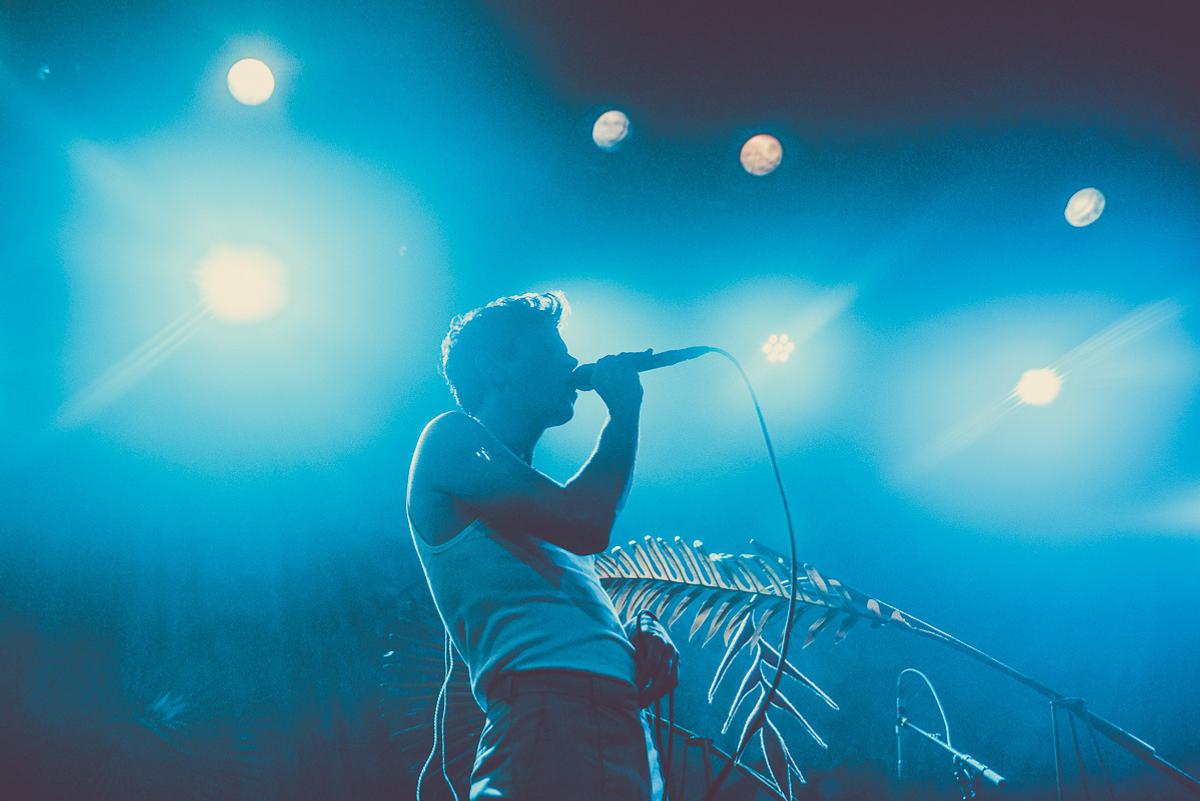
(789, 622)
(1058, 772)
(1100, 758)
(658, 733)
(1087, 793)
(439, 720)
(670, 738)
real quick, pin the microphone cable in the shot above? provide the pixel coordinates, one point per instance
(439, 722)
(665, 752)
(758, 718)
(900, 709)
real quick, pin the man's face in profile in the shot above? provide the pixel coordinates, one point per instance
(541, 371)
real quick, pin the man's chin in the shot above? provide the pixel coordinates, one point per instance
(564, 416)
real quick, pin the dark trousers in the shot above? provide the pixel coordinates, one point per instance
(553, 735)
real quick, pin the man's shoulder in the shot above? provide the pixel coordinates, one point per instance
(436, 453)
(446, 440)
(451, 425)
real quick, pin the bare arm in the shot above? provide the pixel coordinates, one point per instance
(459, 458)
(602, 484)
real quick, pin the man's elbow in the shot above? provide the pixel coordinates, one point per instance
(596, 543)
(591, 537)
(584, 533)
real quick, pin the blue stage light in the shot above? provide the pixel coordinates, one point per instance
(251, 82)
(1084, 207)
(1038, 387)
(761, 154)
(241, 284)
(610, 129)
(778, 348)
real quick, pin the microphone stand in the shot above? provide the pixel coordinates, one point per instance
(1119, 736)
(967, 769)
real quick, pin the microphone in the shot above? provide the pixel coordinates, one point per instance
(582, 377)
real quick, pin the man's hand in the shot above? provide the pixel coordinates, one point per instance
(656, 659)
(616, 381)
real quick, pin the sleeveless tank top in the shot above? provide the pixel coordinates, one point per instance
(522, 603)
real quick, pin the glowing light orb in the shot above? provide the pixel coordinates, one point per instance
(1038, 387)
(250, 82)
(1084, 207)
(241, 285)
(761, 154)
(778, 348)
(610, 130)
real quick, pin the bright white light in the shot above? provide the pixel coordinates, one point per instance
(1038, 387)
(761, 154)
(778, 348)
(250, 82)
(241, 285)
(1084, 207)
(610, 130)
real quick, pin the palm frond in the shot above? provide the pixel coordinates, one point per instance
(734, 596)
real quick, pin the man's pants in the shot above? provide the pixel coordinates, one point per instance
(552, 735)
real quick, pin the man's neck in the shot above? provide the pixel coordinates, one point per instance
(519, 434)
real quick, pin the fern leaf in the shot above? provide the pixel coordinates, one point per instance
(789, 763)
(754, 583)
(665, 601)
(676, 561)
(604, 565)
(726, 611)
(781, 701)
(762, 624)
(736, 620)
(847, 624)
(637, 599)
(620, 594)
(699, 562)
(751, 727)
(744, 632)
(750, 682)
(816, 627)
(627, 561)
(771, 658)
(702, 614)
(657, 547)
(816, 578)
(642, 560)
(776, 583)
(685, 600)
(724, 564)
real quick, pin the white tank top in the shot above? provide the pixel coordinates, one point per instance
(522, 603)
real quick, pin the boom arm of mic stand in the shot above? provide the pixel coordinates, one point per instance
(1138, 747)
(1134, 745)
(959, 757)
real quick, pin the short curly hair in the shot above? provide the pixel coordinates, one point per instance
(492, 329)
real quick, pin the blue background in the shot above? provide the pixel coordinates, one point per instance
(231, 528)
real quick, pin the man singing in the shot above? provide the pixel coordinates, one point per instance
(508, 554)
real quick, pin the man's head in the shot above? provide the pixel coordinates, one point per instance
(510, 352)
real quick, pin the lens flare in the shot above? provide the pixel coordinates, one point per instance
(1038, 387)
(241, 285)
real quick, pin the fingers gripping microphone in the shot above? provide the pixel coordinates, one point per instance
(582, 377)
